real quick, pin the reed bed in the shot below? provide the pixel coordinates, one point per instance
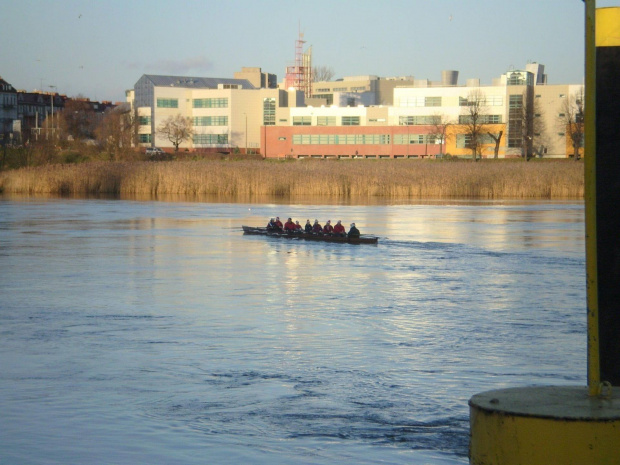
(489, 179)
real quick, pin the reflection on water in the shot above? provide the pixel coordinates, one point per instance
(134, 331)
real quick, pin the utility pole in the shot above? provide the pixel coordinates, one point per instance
(52, 99)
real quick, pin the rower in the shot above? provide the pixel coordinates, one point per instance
(339, 229)
(308, 227)
(317, 228)
(354, 232)
(328, 228)
(289, 226)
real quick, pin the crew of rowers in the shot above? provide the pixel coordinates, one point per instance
(294, 227)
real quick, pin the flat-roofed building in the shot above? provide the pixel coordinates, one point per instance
(226, 114)
(376, 90)
(430, 119)
(257, 78)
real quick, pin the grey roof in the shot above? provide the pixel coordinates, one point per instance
(195, 82)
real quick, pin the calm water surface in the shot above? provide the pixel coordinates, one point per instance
(139, 332)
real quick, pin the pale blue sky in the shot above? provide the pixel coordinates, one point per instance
(100, 48)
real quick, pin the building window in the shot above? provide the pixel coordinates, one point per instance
(412, 101)
(269, 111)
(419, 119)
(210, 139)
(340, 89)
(358, 89)
(405, 139)
(350, 120)
(482, 119)
(167, 103)
(144, 138)
(493, 100)
(326, 121)
(302, 120)
(211, 121)
(341, 139)
(463, 141)
(515, 101)
(210, 103)
(432, 101)
(144, 120)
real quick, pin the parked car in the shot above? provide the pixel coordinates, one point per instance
(157, 154)
(154, 151)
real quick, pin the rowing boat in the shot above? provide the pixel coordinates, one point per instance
(363, 239)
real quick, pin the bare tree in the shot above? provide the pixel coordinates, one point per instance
(77, 120)
(497, 139)
(474, 119)
(322, 73)
(439, 131)
(117, 131)
(177, 129)
(571, 120)
(539, 130)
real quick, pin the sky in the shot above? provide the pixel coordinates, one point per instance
(100, 48)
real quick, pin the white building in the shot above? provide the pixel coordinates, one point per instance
(226, 114)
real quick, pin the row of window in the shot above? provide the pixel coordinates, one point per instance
(342, 139)
(210, 102)
(211, 121)
(326, 121)
(362, 139)
(144, 120)
(210, 139)
(419, 120)
(462, 140)
(418, 101)
(482, 119)
(167, 103)
(407, 139)
(485, 101)
(196, 103)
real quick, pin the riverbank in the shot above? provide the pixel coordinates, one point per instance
(488, 179)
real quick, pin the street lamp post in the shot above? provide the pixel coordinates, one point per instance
(52, 100)
(246, 133)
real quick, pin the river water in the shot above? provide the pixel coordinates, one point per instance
(155, 332)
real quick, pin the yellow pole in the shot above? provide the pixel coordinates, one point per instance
(594, 378)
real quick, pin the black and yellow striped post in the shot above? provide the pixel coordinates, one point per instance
(576, 425)
(607, 193)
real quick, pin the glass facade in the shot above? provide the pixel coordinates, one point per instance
(515, 120)
(269, 111)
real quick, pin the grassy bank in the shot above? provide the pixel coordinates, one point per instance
(489, 179)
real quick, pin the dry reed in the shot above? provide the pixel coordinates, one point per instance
(490, 179)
